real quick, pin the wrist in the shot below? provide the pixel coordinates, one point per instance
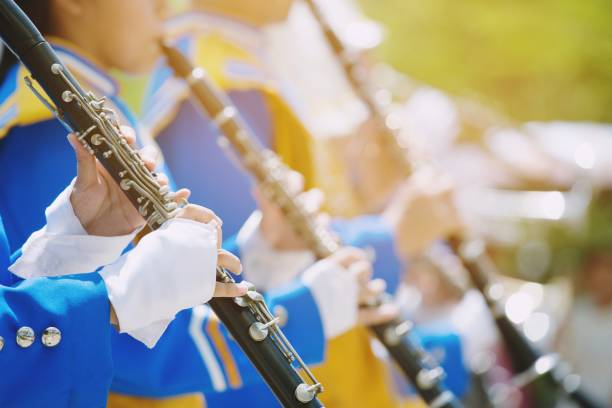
(170, 270)
(264, 265)
(61, 216)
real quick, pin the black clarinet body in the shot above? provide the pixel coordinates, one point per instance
(267, 170)
(274, 367)
(247, 318)
(545, 376)
(416, 363)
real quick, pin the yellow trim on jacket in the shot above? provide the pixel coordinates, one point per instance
(183, 401)
(234, 69)
(29, 109)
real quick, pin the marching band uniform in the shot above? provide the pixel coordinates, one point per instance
(196, 353)
(54, 324)
(70, 367)
(228, 51)
(29, 130)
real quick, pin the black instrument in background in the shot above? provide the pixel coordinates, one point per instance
(545, 376)
(247, 318)
(270, 174)
(521, 350)
(357, 77)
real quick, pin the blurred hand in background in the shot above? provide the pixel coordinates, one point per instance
(423, 211)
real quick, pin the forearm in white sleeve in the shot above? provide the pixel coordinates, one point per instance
(264, 266)
(335, 291)
(63, 247)
(171, 269)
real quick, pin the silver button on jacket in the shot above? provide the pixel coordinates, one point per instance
(1, 343)
(25, 337)
(51, 337)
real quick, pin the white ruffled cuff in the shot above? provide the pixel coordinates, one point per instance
(171, 269)
(264, 266)
(63, 247)
(336, 292)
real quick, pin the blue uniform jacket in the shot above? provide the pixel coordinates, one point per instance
(75, 373)
(196, 353)
(189, 142)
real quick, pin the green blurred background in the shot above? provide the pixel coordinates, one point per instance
(529, 59)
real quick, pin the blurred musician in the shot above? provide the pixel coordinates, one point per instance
(225, 39)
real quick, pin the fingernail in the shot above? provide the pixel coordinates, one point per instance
(244, 287)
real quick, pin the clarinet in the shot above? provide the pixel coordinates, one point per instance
(546, 375)
(247, 318)
(270, 174)
(518, 345)
(356, 76)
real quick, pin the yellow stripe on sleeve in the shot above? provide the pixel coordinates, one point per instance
(214, 332)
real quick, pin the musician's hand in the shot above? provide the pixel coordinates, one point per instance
(225, 259)
(374, 169)
(98, 202)
(231, 262)
(371, 311)
(275, 228)
(423, 211)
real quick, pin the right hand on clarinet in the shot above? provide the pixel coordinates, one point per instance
(225, 259)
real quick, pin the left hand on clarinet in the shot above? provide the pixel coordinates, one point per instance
(98, 202)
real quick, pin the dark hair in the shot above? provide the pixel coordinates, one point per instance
(39, 13)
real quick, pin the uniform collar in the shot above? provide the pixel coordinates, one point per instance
(244, 35)
(84, 68)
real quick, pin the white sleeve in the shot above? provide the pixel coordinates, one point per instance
(63, 247)
(264, 266)
(334, 289)
(171, 269)
(336, 292)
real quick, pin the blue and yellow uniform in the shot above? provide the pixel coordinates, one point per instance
(227, 49)
(196, 353)
(71, 367)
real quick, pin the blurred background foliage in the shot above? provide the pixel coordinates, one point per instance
(532, 60)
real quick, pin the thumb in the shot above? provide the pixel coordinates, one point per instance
(87, 170)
